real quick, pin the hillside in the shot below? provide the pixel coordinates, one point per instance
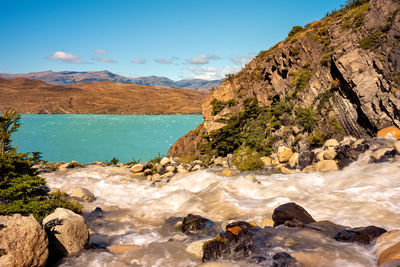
(335, 77)
(71, 77)
(34, 96)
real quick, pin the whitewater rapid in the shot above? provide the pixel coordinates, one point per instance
(135, 212)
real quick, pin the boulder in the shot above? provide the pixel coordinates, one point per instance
(391, 253)
(330, 153)
(291, 213)
(267, 161)
(320, 156)
(170, 168)
(379, 154)
(23, 242)
(360, 235)
(284, 153)
(137, 168)
(193, 224)
(164, 161)
(327, 165)
(331, 143)
(305, 159)
(83, 193)
(389, 132)
(67, 231)
(386, 240)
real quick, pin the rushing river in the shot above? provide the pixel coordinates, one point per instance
(136, 212)
(88, 137)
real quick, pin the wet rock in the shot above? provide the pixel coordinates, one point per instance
(344, 162)
(383, 154)
(83, 193)
(193, 224)
(392, 253)
(215, 249)
(137, 168)
(327, 165)
(305, 159)
(326, 227)
(389, 132)
(292, 213)
(284, 153)
(386, 240)
(67, 231)
(361, 235)
(283, 259)
(164, 161)
(196, 248)
(23, 242)
(331, 143)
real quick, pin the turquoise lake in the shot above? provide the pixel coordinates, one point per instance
(87, 138)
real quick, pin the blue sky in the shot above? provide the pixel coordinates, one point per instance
(173, 38)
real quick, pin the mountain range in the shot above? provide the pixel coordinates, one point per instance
(66, 78)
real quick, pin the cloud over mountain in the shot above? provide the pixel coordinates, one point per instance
(202, 59)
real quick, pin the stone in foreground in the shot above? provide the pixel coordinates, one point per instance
(23, 242)
(292, 214)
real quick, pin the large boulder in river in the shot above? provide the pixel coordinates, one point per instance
(67, 231)
(291, 214)
(360, 235)
(193, 224)
(23, 242)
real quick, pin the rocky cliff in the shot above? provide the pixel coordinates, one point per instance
(334, 77)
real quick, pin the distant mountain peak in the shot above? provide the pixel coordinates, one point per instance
(71, 77)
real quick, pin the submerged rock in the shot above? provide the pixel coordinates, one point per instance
(361, 235)
(84, 194)
(194, 224)
(23, 242)
(292, 214)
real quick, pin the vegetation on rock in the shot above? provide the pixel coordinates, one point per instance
(21, 190)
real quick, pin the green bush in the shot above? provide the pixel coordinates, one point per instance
(21, 190)
(306, 118)
(372, 40)
(300, 80)
(295, 30)
(247, 159)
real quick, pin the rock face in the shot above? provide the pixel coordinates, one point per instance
(67, 231)
(345, 68)
(23, 242)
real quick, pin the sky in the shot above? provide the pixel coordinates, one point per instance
(178, 39)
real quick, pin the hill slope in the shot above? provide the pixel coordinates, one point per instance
(34, 96)
(334, 77)
(70, 77)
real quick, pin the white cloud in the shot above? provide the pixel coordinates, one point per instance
(165, 60)
(209, 72)
(100, 52)
(138, 60)
(65, 57)
(241, 60)
(105, 60)
(202, 59)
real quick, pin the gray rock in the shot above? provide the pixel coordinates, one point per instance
(67, 231)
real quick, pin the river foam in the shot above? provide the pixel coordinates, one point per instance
(135, 211)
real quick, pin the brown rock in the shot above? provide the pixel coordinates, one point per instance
(137, 168)
(23, 242)
(392, 253)
(284, 153)
(227, 172)
(389, 132)
(331, 143)
(293, 160)
(291, 212)
(267, 161)
(327, 165)
(84, 194)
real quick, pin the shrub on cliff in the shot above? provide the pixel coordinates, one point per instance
(21, 190)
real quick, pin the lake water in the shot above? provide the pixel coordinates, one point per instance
(87, 138)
